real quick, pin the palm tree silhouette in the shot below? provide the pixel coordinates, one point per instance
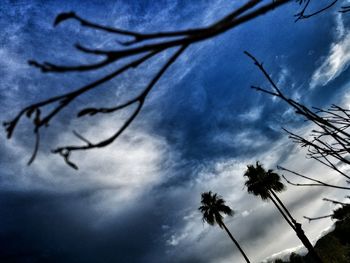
(265, 184)
(212, 208)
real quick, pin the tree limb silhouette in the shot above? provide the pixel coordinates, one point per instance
(303, 13)
(330, 142)
(143, 46)
(316, 182)
(337, 214)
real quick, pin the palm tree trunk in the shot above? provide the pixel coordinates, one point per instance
(236, 243)
(307, 243)
(284, 208)
(297, 228)
(282, 213)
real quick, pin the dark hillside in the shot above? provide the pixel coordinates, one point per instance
(333, 247)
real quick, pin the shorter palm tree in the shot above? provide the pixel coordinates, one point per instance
(212, 208)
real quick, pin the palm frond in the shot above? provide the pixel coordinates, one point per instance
(212, 208)
(260, 182)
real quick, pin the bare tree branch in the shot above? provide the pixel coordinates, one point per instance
(334, 201)
(302, 14)
(317, 218)
(330, 142)
(337, 214)
(138, 46)
(316, 182)
(345, 9)
(66, 150)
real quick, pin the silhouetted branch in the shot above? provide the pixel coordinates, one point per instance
(82, 138)
(138, 46)
(232, 20)
(299, 184)
(36, 147)
(66, 151)
(316, 182)
(337, 214)
(317, 218)
(334, 201)
(345, 9)
(330, 143)
(320, 150)
(137, 36)
(302, 14)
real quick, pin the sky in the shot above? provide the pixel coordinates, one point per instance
(137, 200)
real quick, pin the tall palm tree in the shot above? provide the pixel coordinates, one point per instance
(212, 208)
(266, 184)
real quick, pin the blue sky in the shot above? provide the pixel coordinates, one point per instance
(136, 200)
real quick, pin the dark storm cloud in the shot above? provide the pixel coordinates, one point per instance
(43, 226)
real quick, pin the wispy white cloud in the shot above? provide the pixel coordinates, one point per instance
(340, 28)
(282, 78)
(336, 61)
(252, 115)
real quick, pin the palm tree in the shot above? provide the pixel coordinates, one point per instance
(212, 208)
(266, 184)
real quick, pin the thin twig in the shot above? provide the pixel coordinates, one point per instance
(318, 182)
(317, 218)
(302, 15)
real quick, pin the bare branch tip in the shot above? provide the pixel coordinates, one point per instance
(63, 17)
(9, 128)
(65, 153)
(249, 55)
(44, 67)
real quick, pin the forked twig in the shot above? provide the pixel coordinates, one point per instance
(302, 14)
